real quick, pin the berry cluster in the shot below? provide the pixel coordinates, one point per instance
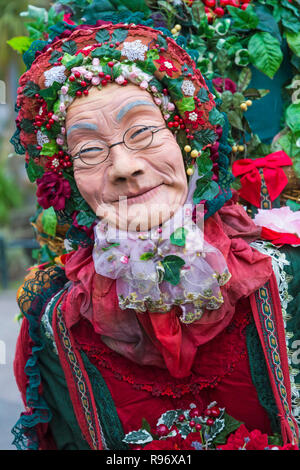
(218, 8)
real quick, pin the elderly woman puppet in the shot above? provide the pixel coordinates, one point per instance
(158, 301)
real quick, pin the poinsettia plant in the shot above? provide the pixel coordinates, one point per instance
(211, 430)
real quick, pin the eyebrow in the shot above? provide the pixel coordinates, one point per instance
(129, 106)
(82, 125)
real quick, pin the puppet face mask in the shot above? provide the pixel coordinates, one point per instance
(127, 163)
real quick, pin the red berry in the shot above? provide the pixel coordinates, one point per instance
(182, 126)
(85, 92)
(210, 3)
(181, 418)
(176, 118)
(198, 427)
(245, 6)
(107, 77)
(162, 430)
(83, 83)
(110, 64)
(111, 46)
(61, 153)
(39, 147)
(117, 43)
(48, 126)
(51, 121)
(215, 411)
(176, 124)
(194, 413)
(210, 422)
(72, 78)
(101, 74)
(50, 114)
(104, 82)
(224, 3)
(78, 93)
(192, 424)
(77, 74)
(36, 95)
(170, 124)
(125, 82)
(219, 12)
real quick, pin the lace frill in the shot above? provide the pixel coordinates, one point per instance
(36, 293)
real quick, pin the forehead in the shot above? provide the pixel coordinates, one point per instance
(113, 101)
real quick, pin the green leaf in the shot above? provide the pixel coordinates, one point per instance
(147, 255)
(49, 221)
(34, 171)
(27, 125)
(243, 19)
(31, 89)
(146, 425)
(265, 53)
(288, 143)
(112, 245)
(244, 79)
(20, 43)
(153, 54)
(186, 104)
(227, 99)
(254, 94)
(106, 51)
(231, 425)
(70, 61)
(119, 35)
(50, 94)
(235, 119)
(290, 21)
(267, 22)
(292, 117)
(205, 137)
(138, 437)
(172, 265)
(55, 55)
(85, 218)
(293, 40)
(69, 47)
(169, 418)
(204, 164)
(49, 149)
(242, 57)
(178, 237)
(205, 190)
(174, 87)
(216, 118)
(102, 36)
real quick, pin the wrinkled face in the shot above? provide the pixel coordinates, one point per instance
(132, 186)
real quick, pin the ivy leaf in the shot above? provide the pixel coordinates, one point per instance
(205, 190)
(265, 53)
(49, 221)
(102, 36)
(34, 171)
(138, 437)
(147, 255)
(216, 118)
(31, 89)
(172, 265)
(85, 218)
(119, 35)
(186, 104)
(178, 237)
(202, 95)
(205, 137)
(20, 43)
(243, 19)
(69, 47)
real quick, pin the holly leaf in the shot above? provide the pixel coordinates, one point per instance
(203, 95)
(174, 87)
(142, 436)
(49, 221)
(55, 55)
(69, 47)
(265, 53)
(106, 51)
(178, 237)
(31, 89)
(231, 425)
(70, 61)
(205, 190)
(169, 417)
(27, 125)
(216, 118)
(172, 265)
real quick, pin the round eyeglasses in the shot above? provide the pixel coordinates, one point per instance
(136, 137)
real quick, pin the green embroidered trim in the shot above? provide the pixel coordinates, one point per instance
(260, 377)
(110, 422)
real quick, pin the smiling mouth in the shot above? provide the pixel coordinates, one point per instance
(139, 197)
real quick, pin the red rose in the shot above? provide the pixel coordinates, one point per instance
(243, 439)
(223, 84)
(53, 191)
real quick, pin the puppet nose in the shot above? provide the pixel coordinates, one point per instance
(126, 165)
